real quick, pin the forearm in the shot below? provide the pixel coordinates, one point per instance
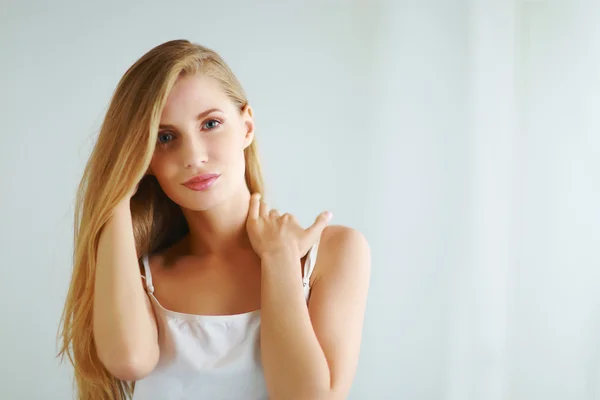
(124, 329)
(294, 364)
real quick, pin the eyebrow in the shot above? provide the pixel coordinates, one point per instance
(198, 117)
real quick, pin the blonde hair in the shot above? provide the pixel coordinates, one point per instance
(119, 160)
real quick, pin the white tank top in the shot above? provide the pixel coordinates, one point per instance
(214, 357)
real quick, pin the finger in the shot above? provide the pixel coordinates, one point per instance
(314, 231)
(291, 218)
(253, 212)
(274, 213)
(264, 209)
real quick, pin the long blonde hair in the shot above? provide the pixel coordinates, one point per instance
(119, 160)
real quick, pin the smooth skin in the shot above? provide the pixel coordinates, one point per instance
(239, 256)
(309, 352)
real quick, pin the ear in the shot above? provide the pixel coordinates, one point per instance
(247, 118)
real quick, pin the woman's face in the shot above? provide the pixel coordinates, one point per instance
(201, 132)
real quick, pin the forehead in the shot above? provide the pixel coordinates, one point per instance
(192, 94)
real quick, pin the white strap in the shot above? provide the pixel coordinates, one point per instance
(309, 264)
(148, 274)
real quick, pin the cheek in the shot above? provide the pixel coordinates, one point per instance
(164, 168)
(226, 150)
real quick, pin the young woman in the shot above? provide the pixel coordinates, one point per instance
(186, 285)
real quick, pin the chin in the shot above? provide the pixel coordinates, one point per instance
(200, 201)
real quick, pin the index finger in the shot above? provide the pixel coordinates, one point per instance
(253, 211)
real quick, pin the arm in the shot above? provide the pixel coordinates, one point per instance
(312, 352)
(124, 325)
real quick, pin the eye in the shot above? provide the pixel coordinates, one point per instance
(164, 137)
(212, 124)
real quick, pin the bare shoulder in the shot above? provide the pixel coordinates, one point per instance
(338, 301)
(342, 250)
(334, 236)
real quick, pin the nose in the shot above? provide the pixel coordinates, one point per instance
(195, 152)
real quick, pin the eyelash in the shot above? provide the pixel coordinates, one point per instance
(208, 129)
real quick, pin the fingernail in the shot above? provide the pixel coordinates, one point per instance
(329, 215)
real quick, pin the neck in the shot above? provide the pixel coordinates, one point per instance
(220, 229)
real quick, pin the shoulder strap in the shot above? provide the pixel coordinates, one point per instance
(148, 274)
(309, 264)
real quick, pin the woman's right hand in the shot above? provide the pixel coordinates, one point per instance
(134, 191)
(124, 326)
(125, 203)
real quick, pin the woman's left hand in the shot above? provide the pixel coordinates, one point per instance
(271, 233)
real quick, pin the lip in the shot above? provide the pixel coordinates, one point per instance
(200, 178)
(201, 182)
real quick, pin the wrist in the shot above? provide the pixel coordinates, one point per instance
(280, 261)
(122, 208)
(282, 254)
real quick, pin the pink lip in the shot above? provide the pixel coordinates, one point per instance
(201, 182)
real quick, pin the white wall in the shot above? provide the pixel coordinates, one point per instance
(419, 183)
(555, 288)
(479, 195)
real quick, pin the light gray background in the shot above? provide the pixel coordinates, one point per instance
(461, 137)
